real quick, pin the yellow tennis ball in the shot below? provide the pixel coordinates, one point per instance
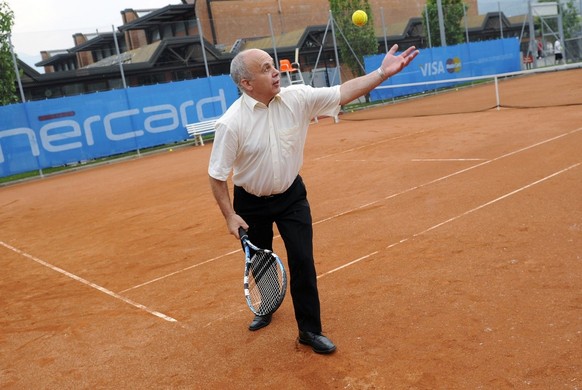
(359, 18)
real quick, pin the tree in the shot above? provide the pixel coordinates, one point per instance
(570, 21)
(362, 40)
(452, 14)
(7, 75)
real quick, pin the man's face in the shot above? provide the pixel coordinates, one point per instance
(265, 82)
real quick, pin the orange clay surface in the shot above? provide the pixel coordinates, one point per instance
(448, 249)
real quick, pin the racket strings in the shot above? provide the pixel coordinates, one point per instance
(265, 282)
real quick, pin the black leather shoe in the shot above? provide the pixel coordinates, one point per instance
(260, 322)
(318, 342)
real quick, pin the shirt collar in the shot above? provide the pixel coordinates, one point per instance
(252, 103)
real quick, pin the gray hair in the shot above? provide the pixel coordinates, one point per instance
(238, 68)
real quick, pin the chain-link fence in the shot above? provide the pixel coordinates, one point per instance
(181, 44)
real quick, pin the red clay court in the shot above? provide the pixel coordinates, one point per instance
(448, 248)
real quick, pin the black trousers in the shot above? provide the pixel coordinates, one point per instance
(292, 214)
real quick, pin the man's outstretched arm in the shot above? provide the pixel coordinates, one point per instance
(391, 64)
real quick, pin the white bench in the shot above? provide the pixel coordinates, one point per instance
(197, 130)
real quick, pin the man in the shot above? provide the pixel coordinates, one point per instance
(260, 140)
(558, 52)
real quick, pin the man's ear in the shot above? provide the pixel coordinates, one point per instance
(246, 85)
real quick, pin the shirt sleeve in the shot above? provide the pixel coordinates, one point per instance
(223, 152)
(313, 101)
(326, 101)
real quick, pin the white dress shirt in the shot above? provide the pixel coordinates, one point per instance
(263, 145)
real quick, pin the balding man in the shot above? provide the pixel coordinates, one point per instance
(260, 141)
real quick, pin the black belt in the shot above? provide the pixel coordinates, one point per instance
(274, 195)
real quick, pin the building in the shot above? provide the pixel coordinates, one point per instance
(197, 39)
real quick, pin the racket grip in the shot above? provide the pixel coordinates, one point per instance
(242, 232)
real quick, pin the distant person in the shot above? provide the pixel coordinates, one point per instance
(549, 49)
(527, 60)
(558, 52)
(540, 47)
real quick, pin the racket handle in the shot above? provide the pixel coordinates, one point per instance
(242, 232)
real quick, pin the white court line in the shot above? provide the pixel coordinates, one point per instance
(348, 264)
(376, 201)
(451, 219)
(446, 159)
(500, 198)
(361, 160)
(448, 176)
(181, 270)
(222, 318)
(369, 145)
(88, 283)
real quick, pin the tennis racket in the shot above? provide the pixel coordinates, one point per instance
(265, 279)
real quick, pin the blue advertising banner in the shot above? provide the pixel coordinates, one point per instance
(61, 131)
(449, 63)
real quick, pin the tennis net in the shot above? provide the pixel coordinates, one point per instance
(535, 88)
